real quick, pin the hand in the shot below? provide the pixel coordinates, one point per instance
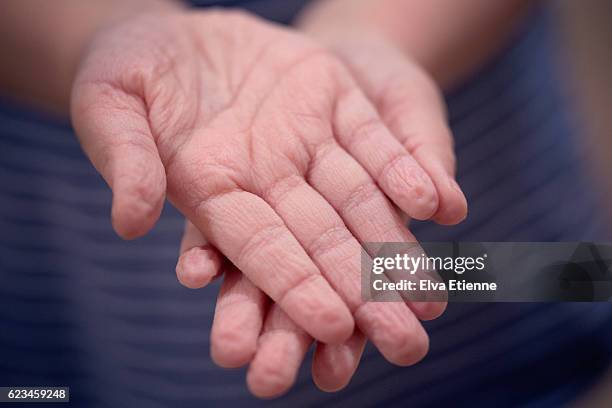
(412, 108)
(267, 144)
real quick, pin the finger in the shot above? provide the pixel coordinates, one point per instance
(337, 253)
(238, 320)
(333, 365)
(355, 196)
(199, 263)
(113, 129)
(362, 133)
(414, 111)
(410, 104)
(255, 239)
(280, 353)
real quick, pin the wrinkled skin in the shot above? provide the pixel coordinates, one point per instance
(283, 157)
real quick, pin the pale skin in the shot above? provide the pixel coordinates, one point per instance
(399, 88)
(285, 151)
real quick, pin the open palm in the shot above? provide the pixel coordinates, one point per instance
(267, 144)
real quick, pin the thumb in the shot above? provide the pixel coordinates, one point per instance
(113, 129)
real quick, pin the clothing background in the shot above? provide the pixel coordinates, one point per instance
(80, 307)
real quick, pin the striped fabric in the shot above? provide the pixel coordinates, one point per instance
(80, 307)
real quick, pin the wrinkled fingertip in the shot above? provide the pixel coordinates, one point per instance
(232, 350)
(411, 188)
(336, 326)
(410, 351)
(331, 374)
(453, 208)
(319, 310)
(133, 218)
(268, 380)
(197, 267)
(424, 204)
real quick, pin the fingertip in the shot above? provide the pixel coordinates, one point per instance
(238, 321)
(330, 381)
(333, 326)
(267, 382)
(229, 356)
(453, 207)
(231, 348)
(326, 384)
(318, 309)
(197, 267)
(411, 350)
(425, 202)
(138, 200)
(411, 188)
(133, 217)
(274, 369)
(339, 323)
(395, 331)
(333, 366)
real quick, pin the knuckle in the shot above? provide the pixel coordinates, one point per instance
(92, 99)
(262, 242)
(440, 143)
(333, 316)
(395, 168)
(315, 307)
(125, 156)
(332, 238)
(364, 133)
(395, 112)
(281, 187)
(359, 195)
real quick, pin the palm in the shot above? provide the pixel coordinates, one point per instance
(267, 116)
